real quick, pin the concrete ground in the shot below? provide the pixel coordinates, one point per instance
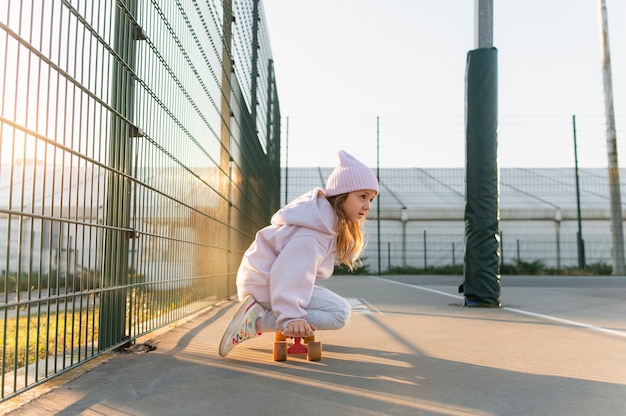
(557, 347)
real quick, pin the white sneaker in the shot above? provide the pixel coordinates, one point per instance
(243, 326)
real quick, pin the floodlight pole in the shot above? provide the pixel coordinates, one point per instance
(483, 24)
(617, 234)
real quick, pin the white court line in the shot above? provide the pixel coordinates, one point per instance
(359, 305)
(519, 311)
(372, 306)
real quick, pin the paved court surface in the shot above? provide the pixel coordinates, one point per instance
(557, 347)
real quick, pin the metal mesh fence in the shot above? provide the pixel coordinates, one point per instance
(418, 220)
(139, 154)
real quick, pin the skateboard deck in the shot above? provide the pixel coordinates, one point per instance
(299, 346)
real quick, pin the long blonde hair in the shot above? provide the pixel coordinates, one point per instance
(350, 236)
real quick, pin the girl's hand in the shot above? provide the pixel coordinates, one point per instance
(298, 328)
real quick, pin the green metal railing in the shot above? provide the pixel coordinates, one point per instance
(140, 152)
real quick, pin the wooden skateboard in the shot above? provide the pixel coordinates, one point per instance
(299, 346)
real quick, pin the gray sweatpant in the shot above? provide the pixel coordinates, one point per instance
(326, 310)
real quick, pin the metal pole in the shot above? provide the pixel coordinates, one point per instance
(611, 146)
(481, 272)
(500, 233)
(117, 214)
(404, 217)
(580, 242)
(425, 252)
(557, 220)
(287, 162)
(254, 63)
(453, 256)
(226, 161)
(483, 23)
(378, 176)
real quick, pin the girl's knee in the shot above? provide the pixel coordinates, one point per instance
(331, 310)
(343, 313)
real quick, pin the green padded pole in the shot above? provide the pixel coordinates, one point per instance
(482, 214)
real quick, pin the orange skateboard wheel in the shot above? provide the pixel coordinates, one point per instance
(280, 350)
(314, 351)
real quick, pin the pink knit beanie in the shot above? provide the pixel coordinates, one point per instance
(350, 175)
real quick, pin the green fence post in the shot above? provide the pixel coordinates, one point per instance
(112, 318)
(581, 251)
(425, 252)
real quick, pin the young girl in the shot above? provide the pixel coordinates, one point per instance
(276, 281)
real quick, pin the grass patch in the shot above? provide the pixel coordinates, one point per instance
(29, 339)
(32, 338)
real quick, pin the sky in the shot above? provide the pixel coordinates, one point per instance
(407, 58)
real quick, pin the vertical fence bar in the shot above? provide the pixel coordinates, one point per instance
(113, 320)
(453, 256)
(378, 198)
(501, 249)
(580, 241)
(425, 252)
(255, 60)
(226, 160)
(286, 160)
(557, 220)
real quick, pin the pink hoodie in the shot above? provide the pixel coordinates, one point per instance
(286, 257)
